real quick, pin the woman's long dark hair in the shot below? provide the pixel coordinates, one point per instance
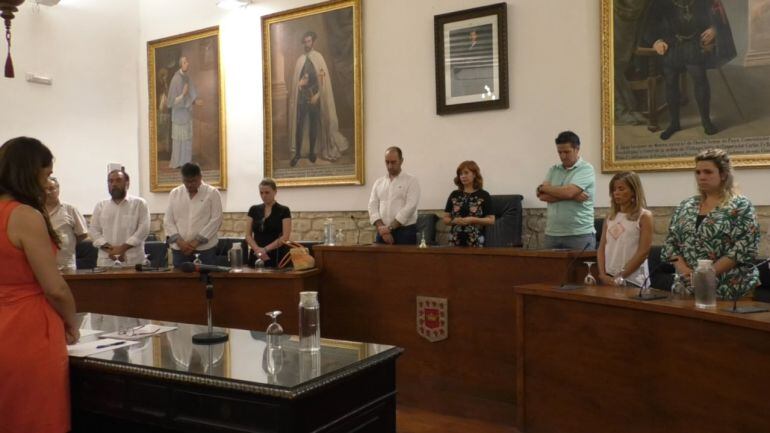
(21, 160)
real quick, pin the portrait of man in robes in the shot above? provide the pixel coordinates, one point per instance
(182, 95)
(186, 108)
(313, 94)
(313, 123)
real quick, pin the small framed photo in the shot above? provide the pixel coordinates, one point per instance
(472, 59)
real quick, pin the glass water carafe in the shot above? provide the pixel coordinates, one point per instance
(309, 322)
(235, 256)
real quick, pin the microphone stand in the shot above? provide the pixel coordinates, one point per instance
(564, 285)
(649, 296)
(737, 295)
(210, 337)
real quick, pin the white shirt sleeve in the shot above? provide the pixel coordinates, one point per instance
(169, 222)
(142, 226)
(95, 231)
(374, 204)
(80, 227)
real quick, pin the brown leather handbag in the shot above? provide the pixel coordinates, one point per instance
(299, 256)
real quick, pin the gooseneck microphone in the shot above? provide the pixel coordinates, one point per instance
(641, 296)
(747, 308)
(564, 285)
(203, 269)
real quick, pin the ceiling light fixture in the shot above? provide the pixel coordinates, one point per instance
(233, 4)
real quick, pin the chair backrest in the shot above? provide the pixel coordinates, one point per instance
(661, 275)
(158, 252)
(426, 224)
(762, 293)
(85, 255)
(506, 231)
(223, 248)
(598, 227)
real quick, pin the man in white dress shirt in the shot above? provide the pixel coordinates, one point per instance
(193, 218)
(120, 224)
(393, 203)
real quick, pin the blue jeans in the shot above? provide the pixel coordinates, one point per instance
(577, 242)
(404, 235)
(208, 257)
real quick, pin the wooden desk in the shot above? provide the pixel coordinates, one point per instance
(166, 384)
(240, 299)
(592, 360)
(369, 293)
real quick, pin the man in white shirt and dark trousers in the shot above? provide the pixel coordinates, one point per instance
(193, 218)
(120, 224)
(393, 203)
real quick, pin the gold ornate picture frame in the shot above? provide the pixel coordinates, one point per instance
(648, 60)
(187, 108)
(313, 102)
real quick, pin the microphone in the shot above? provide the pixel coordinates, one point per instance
(203, 269)
(752, 265)
(650, 296)
(564, 285)
(737, 295)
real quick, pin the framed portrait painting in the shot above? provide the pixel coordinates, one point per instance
(471, 59)
(681, 76)
(312, 95)
(187, 108)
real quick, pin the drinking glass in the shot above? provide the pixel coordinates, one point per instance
(146, 261)
(273, 360)
(589, 280)
(198, 260)
(421, 240)
(117, 263)
(678, 286)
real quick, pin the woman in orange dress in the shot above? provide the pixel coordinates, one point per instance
(37, 310)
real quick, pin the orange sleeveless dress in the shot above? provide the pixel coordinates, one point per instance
(34, 367)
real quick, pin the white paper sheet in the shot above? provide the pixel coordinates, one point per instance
(139, 332)
(88, 348)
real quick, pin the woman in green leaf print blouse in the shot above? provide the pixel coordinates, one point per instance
(718, 225)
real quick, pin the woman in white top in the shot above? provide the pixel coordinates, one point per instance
(627, 233)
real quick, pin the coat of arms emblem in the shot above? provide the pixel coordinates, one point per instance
(432, 318)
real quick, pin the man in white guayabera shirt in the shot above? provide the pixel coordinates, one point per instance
(68, 223)
(120, 224)
(393, 202)
(193, 218)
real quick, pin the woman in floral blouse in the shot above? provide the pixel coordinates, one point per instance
(468, 208)
(718, 225)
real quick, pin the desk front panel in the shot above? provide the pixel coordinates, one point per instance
(369, 293)
(594, 361)
(240, 300)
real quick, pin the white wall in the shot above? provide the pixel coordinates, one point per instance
(554, 85)
(89, 116)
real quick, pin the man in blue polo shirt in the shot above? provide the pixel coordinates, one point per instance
(569, 191)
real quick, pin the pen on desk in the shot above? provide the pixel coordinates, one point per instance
(103, 346)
